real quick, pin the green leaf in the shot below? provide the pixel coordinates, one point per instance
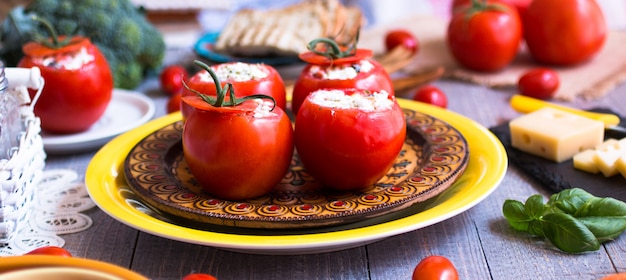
(534, 206)
(569, 200)
(569, 234)
(605, 228)
(516, 215)
(605, 217)
(601, 207)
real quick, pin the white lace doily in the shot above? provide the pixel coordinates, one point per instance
(59, 199)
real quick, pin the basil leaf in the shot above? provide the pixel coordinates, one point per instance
(569, 234)
(534, 206)
(600, 207)
(569, 200)
(516, 215)
(605, 217)
(605, 228)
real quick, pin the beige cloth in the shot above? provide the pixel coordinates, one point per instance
(588, 81)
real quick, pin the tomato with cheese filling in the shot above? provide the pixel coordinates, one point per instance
(335, 68)
(348, 139)
(236, 147)
(245, 78)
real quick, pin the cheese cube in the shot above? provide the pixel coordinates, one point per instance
(555, 134)
(607, 143)
(584, 161)
(621, 164)
(606, 156)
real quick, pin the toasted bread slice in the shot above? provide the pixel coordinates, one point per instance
(287, 31)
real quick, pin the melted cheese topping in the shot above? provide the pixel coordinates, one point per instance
(236, 72)
(366, 101)
(341, 72)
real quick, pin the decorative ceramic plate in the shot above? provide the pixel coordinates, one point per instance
(127, 110)
(35, 262)
(433, 156)
(109, 189)
(204, 48)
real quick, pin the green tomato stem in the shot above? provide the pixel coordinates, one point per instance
(332, 49)
(218, 100)
(55, 44)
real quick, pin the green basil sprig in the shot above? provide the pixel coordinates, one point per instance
(574, 220)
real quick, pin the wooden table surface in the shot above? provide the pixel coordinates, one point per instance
(478, 241)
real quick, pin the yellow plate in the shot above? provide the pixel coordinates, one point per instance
(31, 262)
(487, 166)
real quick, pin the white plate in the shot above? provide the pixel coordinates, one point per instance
(127, 110)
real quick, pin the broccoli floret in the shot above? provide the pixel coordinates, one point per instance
(132, 73)
(132, 45)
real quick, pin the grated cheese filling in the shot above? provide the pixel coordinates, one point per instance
(341, 72)
(236, 72)
(66, 61)
(366, 101)
(263, 108)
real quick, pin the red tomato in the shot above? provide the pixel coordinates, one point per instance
(174, 102)
(435, 268)
(234, 149)
(271, 85)
(520, 5)
(401, 37)
(431, 95)
(484, 36)
(51, 251)
(73, 98)
(540, 83)
(348, 148)
(199, 276)
(564, 32)
(615, 276)
(171, 79)
(313, 75)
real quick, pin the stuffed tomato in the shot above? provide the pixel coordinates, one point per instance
(79, 83)
(337, 69)
(236, 148)
(245, 78)
(348, 139)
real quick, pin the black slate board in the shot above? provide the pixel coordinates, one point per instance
(559, 176)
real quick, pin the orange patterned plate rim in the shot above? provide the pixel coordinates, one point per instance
(434, 155)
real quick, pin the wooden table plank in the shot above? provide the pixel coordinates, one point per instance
(160, 258)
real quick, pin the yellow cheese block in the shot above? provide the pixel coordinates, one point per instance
(555, 134)
(584, 161)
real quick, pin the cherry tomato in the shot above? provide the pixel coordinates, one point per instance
(564, 32)
(431, 95)
(520, 5)
(484, 36)
(78, 85)
(365, 73)
(401, 37)
(269, 83)
(615, 276)
(171, 78)
(348, 148)
(435, 268)
(51, 251)
(174, 102)
(199, 276)
(540, 83)
(237, 150)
